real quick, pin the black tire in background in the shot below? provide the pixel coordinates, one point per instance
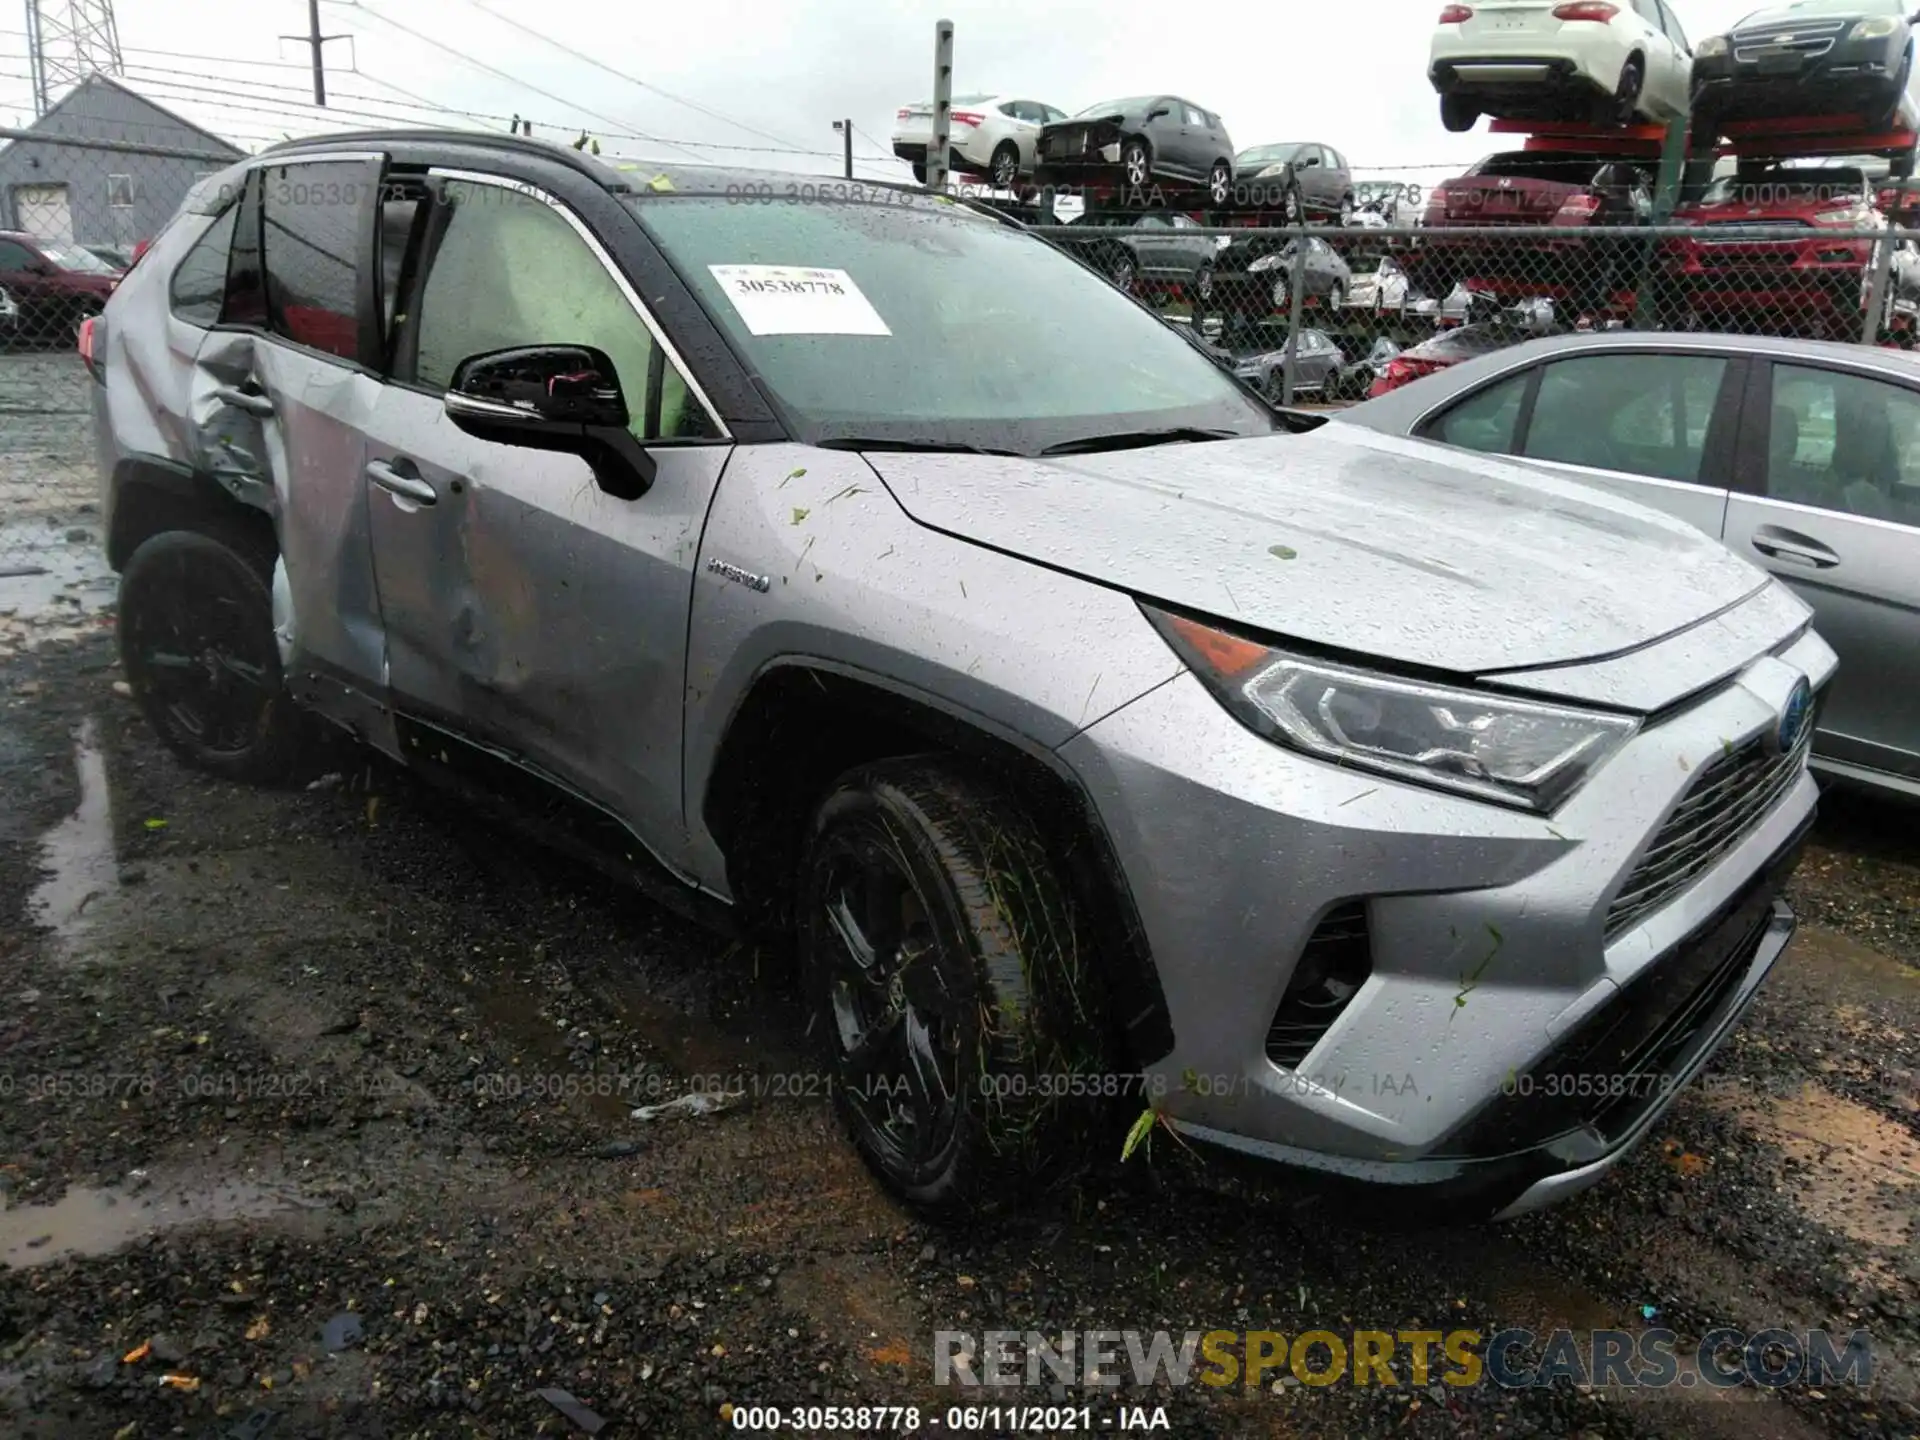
(198, 648)
(950, 981)
(1458, 114)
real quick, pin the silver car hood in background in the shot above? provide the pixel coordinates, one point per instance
(1347, 539)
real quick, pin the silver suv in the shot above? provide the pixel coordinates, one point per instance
(865, 573)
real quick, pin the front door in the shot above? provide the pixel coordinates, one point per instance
(1838, 519)
(526, 608)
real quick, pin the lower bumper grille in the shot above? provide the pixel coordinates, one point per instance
(1337, 958)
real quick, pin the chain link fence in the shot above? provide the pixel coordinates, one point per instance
(77, 204)
(1327, 314)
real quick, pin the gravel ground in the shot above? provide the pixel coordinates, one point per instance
(270, 1058)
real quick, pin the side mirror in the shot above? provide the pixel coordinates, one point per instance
(563, 398)
(1158, 112)
(39, 267)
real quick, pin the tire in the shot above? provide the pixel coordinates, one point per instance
(1136, 163)
(1337, 297)
(1626, 97)
(1458, 114)
(1283, 295)
(1203, 285)
(1890, 117)
(198, 647)
(943, 958)
(1276, 386)
(1220, 183)
(920, 172)
(1290, 208)
(1346, 210)
(1003, 170)
(1123, 272)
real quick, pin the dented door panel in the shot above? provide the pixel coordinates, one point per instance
(531, 610)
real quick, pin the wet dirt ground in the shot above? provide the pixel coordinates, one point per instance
(268, 1059)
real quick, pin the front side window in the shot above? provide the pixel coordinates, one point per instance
(1845, 443)
(1639, 414)
(14, 257)
(199, 285)
(919, 320)
(310, 236)
(1485, 420)
(510, 271)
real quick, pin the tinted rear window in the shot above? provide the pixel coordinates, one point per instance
(1521, 165)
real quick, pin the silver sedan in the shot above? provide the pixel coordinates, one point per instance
(1801, 455)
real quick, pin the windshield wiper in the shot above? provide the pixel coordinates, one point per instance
(909, 447)
(1135, 440)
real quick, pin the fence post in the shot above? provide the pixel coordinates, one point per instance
(1877, 288)
(942, 105)
(1666, 198)
(1288, 368)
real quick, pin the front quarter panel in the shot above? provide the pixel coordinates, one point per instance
(851, 583)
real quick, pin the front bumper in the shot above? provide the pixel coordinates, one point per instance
(1855, 77)
(1489, 933)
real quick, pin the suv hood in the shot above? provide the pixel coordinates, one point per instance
(1346, 539)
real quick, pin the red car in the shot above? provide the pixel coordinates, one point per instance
(1814, 277)
(56, 284)
(1516, 192)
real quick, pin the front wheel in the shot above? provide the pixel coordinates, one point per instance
(198, 646)
(945, 963)
(1346, 210)
(1121, 272)
(1203, 285)
(1136, 163)
(1337, 297)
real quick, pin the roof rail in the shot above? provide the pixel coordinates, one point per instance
(589, 165)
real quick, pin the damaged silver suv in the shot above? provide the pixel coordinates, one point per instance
(863, 572)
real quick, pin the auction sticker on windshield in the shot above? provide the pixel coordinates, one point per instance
(793, 300)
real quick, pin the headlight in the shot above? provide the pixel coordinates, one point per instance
(1512, 752)
(1272, 172)
(1709, 47)
(1857, 216)
(1265, 262)
(1874, 29)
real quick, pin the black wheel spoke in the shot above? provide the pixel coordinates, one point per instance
(928, 1091)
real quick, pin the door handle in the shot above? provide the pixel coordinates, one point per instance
(406, 483)
(1795, 549)
(250, 401)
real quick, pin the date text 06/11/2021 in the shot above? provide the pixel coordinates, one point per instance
(954, 1419)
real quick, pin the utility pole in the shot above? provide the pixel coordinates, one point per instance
(942, 105)
(316, 43)
(845, 127)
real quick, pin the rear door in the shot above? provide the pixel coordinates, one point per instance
(282, 390)
(1835, 513)
(526, 608)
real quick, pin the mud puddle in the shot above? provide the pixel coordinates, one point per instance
(100, 1221)
(82, 872)
(54, 580)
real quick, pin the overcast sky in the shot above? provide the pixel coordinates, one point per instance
(776, 73)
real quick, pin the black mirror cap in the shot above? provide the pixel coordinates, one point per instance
(563, 398)
(563, 384)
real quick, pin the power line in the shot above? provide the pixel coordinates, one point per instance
(498, 73)
(587, 59)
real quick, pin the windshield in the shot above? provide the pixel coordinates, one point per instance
(1802, 8)
(1116, 107)
(75, 257)
(1777, 185)
(1268, 154)
(1526, 165)
(925, 322)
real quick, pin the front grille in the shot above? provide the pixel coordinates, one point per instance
(1808, 49)
(1336, 959)
(1730, 797)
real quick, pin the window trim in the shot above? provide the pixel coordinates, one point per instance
(220, 217)
(527, 188)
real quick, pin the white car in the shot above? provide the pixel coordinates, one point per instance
(990, 135)
(1383, 290)
(1615, 61)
